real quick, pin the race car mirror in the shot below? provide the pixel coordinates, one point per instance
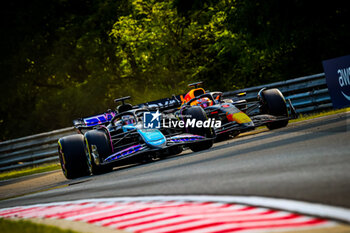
(122, 99)
(124, 106)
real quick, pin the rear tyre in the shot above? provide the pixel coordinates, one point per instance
(198, 113)
(71, 152)
(273, 103)
(97, 148)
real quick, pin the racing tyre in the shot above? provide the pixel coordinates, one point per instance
(275, 104)
(71, 152)
(198, 113)
(97, 148)
(175, 150)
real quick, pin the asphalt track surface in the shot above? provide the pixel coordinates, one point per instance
(307, 161)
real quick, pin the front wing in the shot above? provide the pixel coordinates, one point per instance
(140, 149)
(258, 120)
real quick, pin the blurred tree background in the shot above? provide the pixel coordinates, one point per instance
(65, 59)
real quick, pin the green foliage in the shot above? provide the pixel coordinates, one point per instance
(149, 42)
(21, 226)
(29, 171)
(63, 59)
(59, 64)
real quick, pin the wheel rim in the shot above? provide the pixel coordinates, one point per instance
(62, 160)
(88, 156)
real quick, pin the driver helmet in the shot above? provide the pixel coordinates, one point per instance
(204, 102)
(128, 120)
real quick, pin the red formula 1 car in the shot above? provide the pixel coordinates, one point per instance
(238, 115)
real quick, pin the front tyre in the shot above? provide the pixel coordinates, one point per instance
(273, 103)
(97, 148)
(71, 152)
(198, 113)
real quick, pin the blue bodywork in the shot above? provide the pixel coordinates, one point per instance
(129, 138)
(152, 137)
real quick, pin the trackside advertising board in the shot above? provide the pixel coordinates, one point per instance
(337, 72)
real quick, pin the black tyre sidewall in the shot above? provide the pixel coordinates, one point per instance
(101, 141)
(72, 156)
(275, 104)
(198, 113)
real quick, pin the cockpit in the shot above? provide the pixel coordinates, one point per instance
(127, 119)
(194, 93)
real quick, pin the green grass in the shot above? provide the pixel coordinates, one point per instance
(29, 171)
(21, 226)
(303, 117)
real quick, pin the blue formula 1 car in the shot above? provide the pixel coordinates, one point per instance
(119, 138)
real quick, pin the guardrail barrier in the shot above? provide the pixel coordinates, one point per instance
(308, 94)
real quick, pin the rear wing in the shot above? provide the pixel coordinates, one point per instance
(92, 121)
